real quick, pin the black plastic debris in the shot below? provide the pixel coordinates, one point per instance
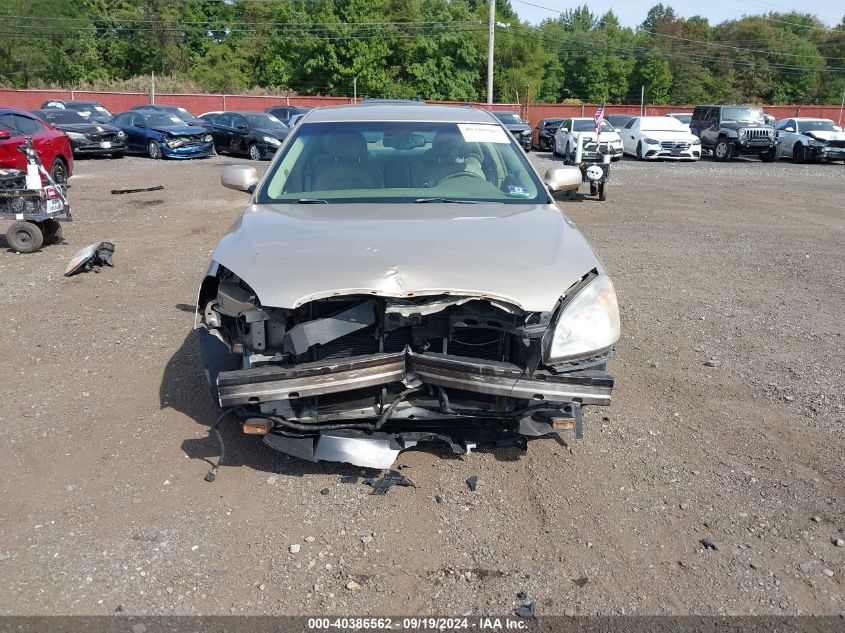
(390, 479)
(92, 257)
(472, 482)
(438, 498)
(522, 596)
(118, 192)
(349, 479)
(706, 543)
(525, 611)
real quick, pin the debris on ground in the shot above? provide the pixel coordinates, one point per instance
(580, 582)
(324, 492)
(525, 611)
(390, 479)
(706, 543)
(353, 586)
(93, 256)
(472, 482)
(349, 479)
(118, 192)
(838, 542)
(522, 596)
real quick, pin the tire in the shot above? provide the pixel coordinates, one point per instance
(640, 150)
(253, 152)
(24, 237)
(603, 191)
(52, 230)
(58, 172)
(153, 150)
(723, 150)
(773, 155)
(594, 189)
(798, 153)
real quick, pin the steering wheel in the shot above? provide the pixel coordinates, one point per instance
(461, 174)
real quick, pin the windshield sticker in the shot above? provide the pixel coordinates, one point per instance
(519, 191)
(482, 133)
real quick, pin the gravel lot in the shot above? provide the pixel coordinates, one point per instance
(727, 424)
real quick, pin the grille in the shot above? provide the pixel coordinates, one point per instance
(756, 134)
(675, 145)
(836, 143)
(102, 136)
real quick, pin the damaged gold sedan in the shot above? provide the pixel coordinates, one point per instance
(403, 275)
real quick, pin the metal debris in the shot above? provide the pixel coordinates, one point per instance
(93, 256)
(472, 482)
(706, 543)
(118, 192)
(391, 478)
(525, 611)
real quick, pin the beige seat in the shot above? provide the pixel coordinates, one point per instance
(449, 154)
(347, 165)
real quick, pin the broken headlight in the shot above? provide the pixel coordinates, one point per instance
(585, 325)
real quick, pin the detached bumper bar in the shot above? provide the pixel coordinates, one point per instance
(265, 384)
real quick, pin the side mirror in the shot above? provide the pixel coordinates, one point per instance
(239, 178)
(242, 126)
(789, 129)
(563, 178)
(4, 134)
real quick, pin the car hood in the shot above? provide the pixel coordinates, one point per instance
(279, 134)
(669, 135)
(289, 254)
(732, 125)
(605, 137)
(517, 127)
(823, 135)
(87, 128)
(178, 130)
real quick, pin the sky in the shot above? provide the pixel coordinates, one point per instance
(633, 12)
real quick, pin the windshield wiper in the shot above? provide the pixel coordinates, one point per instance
(312, 201)
(446, 200)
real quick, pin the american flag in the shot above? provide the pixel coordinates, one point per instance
(597, 117)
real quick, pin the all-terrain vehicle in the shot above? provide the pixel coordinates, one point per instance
(593, 159)
(33, 207)
(732, 130)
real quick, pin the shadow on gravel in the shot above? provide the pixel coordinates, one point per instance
(183, 388)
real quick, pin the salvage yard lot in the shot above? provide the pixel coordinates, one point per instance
(727, 425)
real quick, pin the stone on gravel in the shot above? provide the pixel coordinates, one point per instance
(838, 542)
(828, 572)
(310, 539)
(713, 363)
(294, 549)
(353, 586)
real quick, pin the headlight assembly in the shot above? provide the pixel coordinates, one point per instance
(76, 136)
(587, 324)
(650, 141)
(208, 138)
(742, 132)
(271, 140)
(121, 134)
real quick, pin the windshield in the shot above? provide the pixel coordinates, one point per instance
(87, 108)
(553, 123)
(683, 118)
(508, 118)
(63, 116)
(401, 161)
(263, 121)
(743, 114)
(588, 125)
(822, 125)
(165, 120)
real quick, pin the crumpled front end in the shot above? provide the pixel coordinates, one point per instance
(359, 378)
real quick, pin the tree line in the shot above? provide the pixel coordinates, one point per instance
(435, 49)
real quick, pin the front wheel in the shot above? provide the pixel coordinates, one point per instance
(603, 191)
(24, 237)
(723, 150)
(52, 231)
(639, 151)
(254, 152)
(153, 150)
(58, 172)
(798, 154)
(772, 155)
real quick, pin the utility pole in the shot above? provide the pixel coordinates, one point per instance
(153, 88)
(642, 100)
(490, 43)
(839, 123)
(354, 90)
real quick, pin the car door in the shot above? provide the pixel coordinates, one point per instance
(10, 156)
(221, 131)
(710, 129)
(630, 136)
(42, 143)
(240, 134)
(788, 133)
(561, 135)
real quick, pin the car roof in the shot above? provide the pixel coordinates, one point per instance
(16, 111)
(806, 118)
(411, 111)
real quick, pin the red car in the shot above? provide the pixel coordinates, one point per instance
(52, 145)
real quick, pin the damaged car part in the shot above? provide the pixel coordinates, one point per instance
(93, 256)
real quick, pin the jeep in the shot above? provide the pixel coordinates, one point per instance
(731, 130)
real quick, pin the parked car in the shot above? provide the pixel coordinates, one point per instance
(91, 110)
(809, 140)
(296, 118)
(51, 144)
(544, 133)
(566, 137)
(734, 130)
(255, 134)
(182, 113)
(618, 121)
(683, 117)
(411, 312)
(515, 125)
(653, 137)
(287, 112)
(162, 135)
(86, 137)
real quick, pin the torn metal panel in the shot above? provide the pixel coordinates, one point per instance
(301, 337)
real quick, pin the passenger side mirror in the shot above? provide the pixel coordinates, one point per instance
(563, 178)
(242, 126)
(239, 178)
(4, 134)
(789, 129)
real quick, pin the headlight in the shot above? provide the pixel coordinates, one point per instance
(587, 324)
(771, 133)
(208, 138)
(696, 141)
(526, 133)
(76, 136)
(175, 142)
(814, 142)
(121, 134)
(271, 140)
(650, 141)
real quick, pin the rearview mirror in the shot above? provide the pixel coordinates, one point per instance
(4, 134)
(563, 178)
(239, 178)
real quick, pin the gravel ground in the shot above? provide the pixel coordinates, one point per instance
(726, 425)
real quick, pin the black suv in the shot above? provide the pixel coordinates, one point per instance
(733, 130)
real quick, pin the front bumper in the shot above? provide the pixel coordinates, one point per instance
(191, 151)
(92, 148)
(654, 152)
(267, 150)
(754, 146)
(829, 153)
